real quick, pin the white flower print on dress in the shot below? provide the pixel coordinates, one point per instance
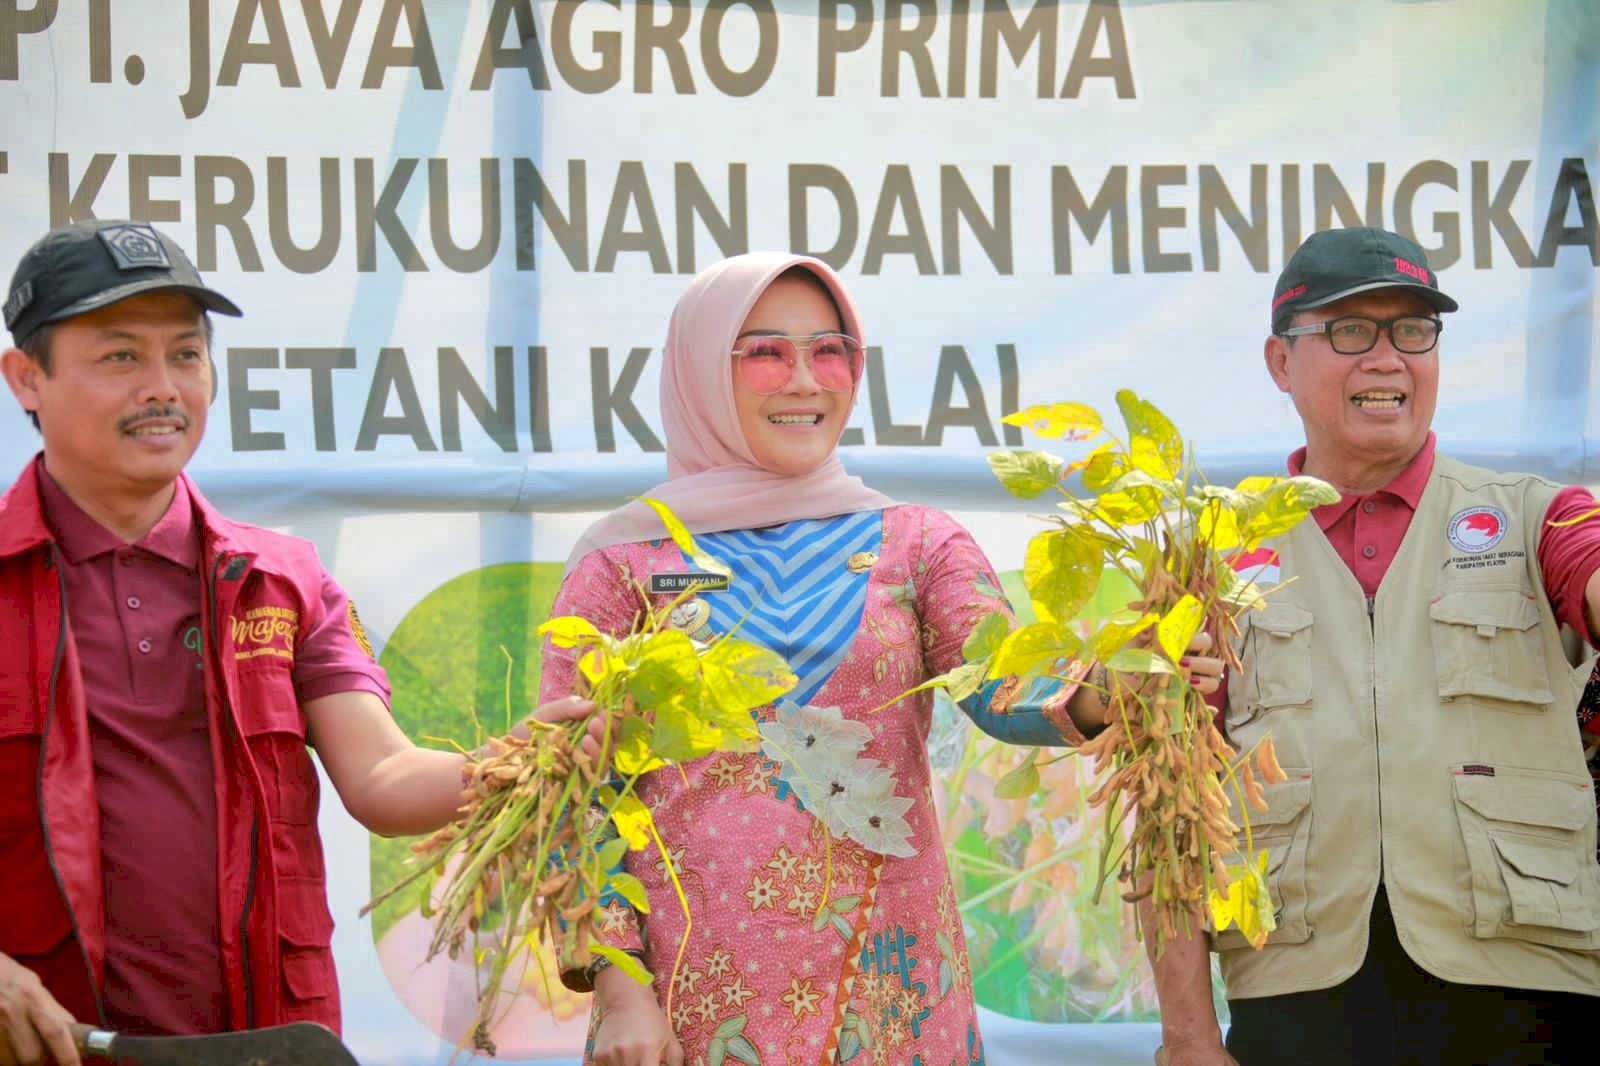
(818, 749)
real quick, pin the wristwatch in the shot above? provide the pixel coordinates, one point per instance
(601, 962)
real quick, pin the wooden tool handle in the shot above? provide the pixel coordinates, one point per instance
(93, 1041)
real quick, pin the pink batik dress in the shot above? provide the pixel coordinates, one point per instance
(824, 925)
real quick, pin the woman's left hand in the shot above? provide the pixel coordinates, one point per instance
(1203, 671)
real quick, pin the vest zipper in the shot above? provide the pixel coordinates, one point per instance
(44, 750)
(1372, 672)
(255, 824)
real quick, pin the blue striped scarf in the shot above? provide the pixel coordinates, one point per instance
(792, 591)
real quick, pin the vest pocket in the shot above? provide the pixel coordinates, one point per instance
(1486, 645)
(1283, 830)
(1532, 860)
(305, 933)
(1276, 659)
(275, 729)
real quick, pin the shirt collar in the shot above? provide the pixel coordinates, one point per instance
(173, 537)
(1406, 487)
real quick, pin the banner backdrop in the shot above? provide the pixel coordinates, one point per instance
(457, 230)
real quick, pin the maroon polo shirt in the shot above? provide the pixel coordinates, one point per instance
(1366, 530)
(134, 611)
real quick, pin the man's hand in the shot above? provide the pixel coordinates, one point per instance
(567, 709)
(632, 1030)
(33, 1026)
(1195, 1053)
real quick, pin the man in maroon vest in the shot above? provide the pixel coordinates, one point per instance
(162, 671)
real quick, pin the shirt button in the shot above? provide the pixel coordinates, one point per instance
(1369, 507)
(134, 602)
(145, 646)
(126, 558)
(1368, 552)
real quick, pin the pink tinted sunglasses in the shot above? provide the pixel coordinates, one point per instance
(766, 364)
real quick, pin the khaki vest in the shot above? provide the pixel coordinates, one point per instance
(1430, 741)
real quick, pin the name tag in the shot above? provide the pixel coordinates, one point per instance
(672, 584)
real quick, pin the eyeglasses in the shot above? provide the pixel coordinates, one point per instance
(766, 364)
(1358, 334)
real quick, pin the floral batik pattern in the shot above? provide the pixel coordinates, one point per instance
(824, 926)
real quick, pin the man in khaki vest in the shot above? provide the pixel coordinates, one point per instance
(1432, 853)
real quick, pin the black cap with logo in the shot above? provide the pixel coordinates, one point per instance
(85, 266)
(1337, 263)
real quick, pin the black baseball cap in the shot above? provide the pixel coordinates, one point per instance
(1337, 263)
(84, 266)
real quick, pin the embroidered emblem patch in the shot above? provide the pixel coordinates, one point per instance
(359, 631)
(1476, 529)
(134, 246)
(18, 302)
(265, 631)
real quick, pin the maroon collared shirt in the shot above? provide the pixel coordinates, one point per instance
(134, 612)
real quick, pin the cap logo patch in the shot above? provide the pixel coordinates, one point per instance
(1477, 529)
(1420, 273)
(1298, 290)
(18, 302)
(134, 247)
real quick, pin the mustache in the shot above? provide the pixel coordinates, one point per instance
(159, 411)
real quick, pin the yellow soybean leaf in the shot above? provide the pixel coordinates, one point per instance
(1020, 783)
(1256, 920)
(632, 819)
(681, 537)
(1218, 527)
(986, 636)
(741, 676)
(1236, 591)
(1030, 647)
(569, 631)
(1026, 474)
(1178, 627)
(633, 754)
(1061, 571)
(1075, 421)
(1285, 505)
(629, 888)
(1148, 424)
(623, 961)
(1134, 507)
(1115, 635)
(667, 667)
(1103, 466)
(1138, 661)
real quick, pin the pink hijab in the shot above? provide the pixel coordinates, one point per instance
(713, 480)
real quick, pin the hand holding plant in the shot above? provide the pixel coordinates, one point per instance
(548, 816)
(1165, 769)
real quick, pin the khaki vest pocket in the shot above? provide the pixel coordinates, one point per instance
(1284, 830)
(1532, 858)
(1276, 662)
(1486, 645)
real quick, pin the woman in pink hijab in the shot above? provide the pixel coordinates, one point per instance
(825, 928)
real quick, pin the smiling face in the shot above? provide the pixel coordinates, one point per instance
(794, 430)
(1366, 416)
(122, 397)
